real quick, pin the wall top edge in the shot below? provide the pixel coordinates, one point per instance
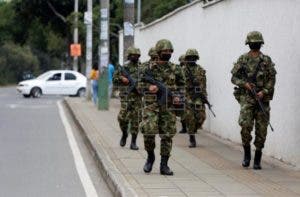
(165, 17)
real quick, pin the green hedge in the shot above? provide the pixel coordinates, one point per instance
(14, 60)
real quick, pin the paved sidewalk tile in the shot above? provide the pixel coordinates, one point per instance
(211, 169)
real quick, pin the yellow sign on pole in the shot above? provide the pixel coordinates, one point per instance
(75, 50)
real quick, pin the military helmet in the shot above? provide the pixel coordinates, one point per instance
(181, 58)
(163, 44)
(152, 52)
(192, 52)
(133, 51)
(254, 36)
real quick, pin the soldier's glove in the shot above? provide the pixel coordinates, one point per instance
(124, 80)
(153, 89)
(176, 100)
(260, 95)
(249, 86)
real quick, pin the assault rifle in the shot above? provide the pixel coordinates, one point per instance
(252, 80)
(254, 93)
(163, 93)
(132, 82)
(199, 94)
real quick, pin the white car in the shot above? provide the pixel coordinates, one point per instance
(55, 82)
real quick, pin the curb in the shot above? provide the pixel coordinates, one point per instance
(115, 181)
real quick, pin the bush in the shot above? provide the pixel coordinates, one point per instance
(14, 60)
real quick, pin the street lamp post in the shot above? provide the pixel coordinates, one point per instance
(75, 58)
(128, 32)
(88, 20)
(139, 8)
(103, 101)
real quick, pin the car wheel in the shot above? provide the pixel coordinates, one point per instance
(81, 92)
(36, 92)
(26, 95)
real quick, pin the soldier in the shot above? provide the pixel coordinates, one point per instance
(179, 113)
(131, 102)
(181, 60)
(157, 118)
(254, 73)
(195, 84)
(152, 54)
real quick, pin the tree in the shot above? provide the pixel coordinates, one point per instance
(44, 28)
(155, 9)
(14, 60)
(7, 27)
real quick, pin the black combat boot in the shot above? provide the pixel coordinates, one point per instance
(183, 130)
(247, 156)
(150, 160)
(164, 168)
(257, 159)
(123, 138)
(133, 145)
(192, 141)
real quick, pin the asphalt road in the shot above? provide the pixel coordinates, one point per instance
(36, 159)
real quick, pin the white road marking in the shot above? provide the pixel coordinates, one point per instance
(14, 106)
(84, 176)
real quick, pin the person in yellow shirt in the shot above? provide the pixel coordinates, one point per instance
(94, 76)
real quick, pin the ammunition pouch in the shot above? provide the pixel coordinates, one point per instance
(268, 96)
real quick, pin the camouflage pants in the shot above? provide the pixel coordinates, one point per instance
(130, 114)
(195, 118)
(158, 121)
(251, 115)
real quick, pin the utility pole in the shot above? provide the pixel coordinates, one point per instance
(128, 32)
(75, 58)
(103, 101)
(88, 20)
(139, 6)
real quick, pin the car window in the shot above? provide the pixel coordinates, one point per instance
(55, 77)
(70, 76)
(42, 76)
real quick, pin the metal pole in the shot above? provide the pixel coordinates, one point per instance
(103, 103)
(128, 33)
(139, 12)
(89, 45)
(75, 59)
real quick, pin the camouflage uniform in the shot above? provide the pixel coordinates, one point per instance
(131, 105)
(181, 60)
(153, 55)
(195, 113)
(180, 113)
(261, 69)
(160, 119)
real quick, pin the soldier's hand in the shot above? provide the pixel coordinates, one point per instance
(124, 80)
(153, 89)
(176, 100)
(249, 86)
(260, 95)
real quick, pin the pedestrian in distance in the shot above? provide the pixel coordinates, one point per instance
(111, 70)
(94, 77)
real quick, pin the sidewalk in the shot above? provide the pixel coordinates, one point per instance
(211, 169)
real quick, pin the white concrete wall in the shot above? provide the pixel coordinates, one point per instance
(218, 32)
